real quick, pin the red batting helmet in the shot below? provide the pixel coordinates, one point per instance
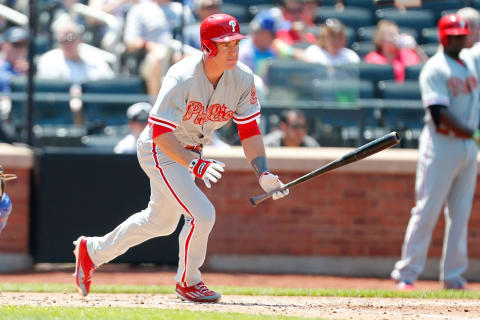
(451, 25)
(218, 28)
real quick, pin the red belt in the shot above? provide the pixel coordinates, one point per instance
(448, 132)
(196, 148)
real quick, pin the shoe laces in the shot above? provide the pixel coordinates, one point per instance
(202, 288)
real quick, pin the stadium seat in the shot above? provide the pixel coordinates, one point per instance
(362, 48)
(417, 19)
(249, 2)
(430, 48)
(367, 33)
(367, 89)
(475, 4)
(413, 72)
(430, 35)
(122, 85)
(437, 7)
(328, 3)
(257, 8)
(51, 109)
(407, 90)
(111, 113)
(239, 11)
(287, 79)
(366, 4)
(352, 17)
(375, 72)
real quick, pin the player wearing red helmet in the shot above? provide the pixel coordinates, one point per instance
(451, 25)
(447, 166)
(199, 95)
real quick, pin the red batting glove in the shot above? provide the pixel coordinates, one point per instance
(207, 170)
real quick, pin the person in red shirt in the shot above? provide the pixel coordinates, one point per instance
(296, 28)
(391, 47)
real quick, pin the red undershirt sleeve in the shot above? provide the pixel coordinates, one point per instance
(247, 130)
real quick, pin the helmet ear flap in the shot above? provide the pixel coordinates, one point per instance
(209, 47)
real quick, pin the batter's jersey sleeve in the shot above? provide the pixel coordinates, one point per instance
(248, 108)
(168, 110)
(433, 86)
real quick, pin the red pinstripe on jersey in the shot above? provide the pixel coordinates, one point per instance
(192, 222)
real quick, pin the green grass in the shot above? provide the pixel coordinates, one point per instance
(430, 294)
(82, 313)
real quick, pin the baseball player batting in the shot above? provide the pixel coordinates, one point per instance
(198, 95)
(447, 166)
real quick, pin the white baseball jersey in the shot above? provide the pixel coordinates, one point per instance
(446, 171)
(447, 82)
(189, 105)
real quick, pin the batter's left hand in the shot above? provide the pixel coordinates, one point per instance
(269, 182)
(207, 170)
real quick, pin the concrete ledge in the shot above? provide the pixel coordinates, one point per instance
(15, 262)
(15, 156)
(334, 266)
(308, 159)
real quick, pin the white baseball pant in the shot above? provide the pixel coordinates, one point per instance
(173, 193)
(446, 174)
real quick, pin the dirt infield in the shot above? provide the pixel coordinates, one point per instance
(326, 307)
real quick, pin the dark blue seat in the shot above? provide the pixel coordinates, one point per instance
(407, 90)
(237, 10)
(413, 72)
(366, 4)
(351, 17)
(438, 7)
(367, 33)
(430, 48)
(375, 72)
(417, 19)
(51, 109)
(430, 35)
(362, 48)
(111, 113)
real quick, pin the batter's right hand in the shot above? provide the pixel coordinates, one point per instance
(207, 170)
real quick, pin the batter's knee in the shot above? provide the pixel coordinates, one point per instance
(205, 215)
(164, 223)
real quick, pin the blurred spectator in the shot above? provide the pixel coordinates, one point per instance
(473, 18)
(289, 21)
(72, 62)
(309, 12)
(137, 115)
(110, 34)
(330, 47)
(257, 50)
(13, 61)
(391, 47)
(63, 13)
(203, 9)
(292, 133)
(149, 27)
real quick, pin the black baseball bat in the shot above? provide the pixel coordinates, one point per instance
(377, 145)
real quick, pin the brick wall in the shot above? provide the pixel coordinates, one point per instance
(339, 214)
(356, 215)
(14, 239)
